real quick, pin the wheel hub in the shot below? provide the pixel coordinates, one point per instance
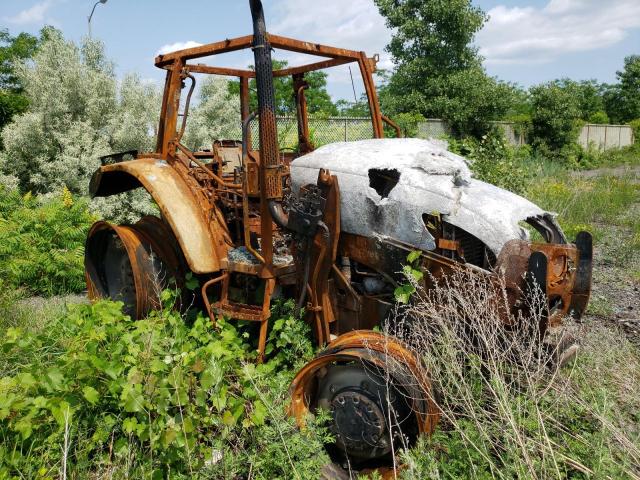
(359, 423)
(360, 403)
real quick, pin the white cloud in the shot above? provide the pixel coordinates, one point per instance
(538, 35)
(172, 47)
(514, 34)
(354, 25)
(35, 14)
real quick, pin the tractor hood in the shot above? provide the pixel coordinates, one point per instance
(386, 186)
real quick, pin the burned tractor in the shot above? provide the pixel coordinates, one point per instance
(329, 226)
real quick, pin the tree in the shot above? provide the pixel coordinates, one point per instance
(77, 113)
(318, 99)
(13, 50)
(359, 108)
(589, 95)
(438, 71)
(72, 95)
(623, 99)
(216, 116)
(134, 123)
(554, 118)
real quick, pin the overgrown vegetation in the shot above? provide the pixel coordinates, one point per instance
(94, 393)
(507, 411)
(86, 392)
(592, 204)
(438, 72)
(78, 111)
(494, 161)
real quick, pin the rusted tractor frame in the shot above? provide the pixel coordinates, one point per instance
(189, 190)
(223, 218)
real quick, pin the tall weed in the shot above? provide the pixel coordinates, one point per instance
(507, 410)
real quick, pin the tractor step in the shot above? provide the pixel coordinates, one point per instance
(241, 311)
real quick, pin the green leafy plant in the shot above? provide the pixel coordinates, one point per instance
(554, 118)
(635, 126)
(156, 395)
(413, 273)
(494, 161)
(42, 242)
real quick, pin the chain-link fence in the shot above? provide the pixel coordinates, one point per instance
(321, 130)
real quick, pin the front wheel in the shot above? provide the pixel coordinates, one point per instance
(377, 394)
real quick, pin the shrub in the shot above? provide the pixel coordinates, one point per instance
(408, 123)
(554, 118)
(79, 112)
(635, 126)
(494, 161)
(521, 124)
(599, 118)
(42, 242)
(158, 398)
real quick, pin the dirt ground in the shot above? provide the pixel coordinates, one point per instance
(615, 296)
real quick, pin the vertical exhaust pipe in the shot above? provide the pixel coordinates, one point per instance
(268, 131)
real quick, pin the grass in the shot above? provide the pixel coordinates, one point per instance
(507, 412)
(606, 205)
(592, 204)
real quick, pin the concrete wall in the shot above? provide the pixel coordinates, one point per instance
(602, 137)
(340, 129)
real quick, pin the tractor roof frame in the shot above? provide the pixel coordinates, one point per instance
(337, 56)
(177, 62)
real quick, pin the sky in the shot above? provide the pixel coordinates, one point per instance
(524, 41)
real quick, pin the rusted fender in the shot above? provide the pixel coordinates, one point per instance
(177, 202)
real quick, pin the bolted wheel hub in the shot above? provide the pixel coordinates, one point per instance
(361, 404)
(374, 406)
(359, 423)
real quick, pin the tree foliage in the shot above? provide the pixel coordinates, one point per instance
(589, 95)
(438, 70)
(433, 37)
(78, 111)
(216, 116)
(72, 96)
(318, 99)
(623, 99)
(13, 50)
(554, 118)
